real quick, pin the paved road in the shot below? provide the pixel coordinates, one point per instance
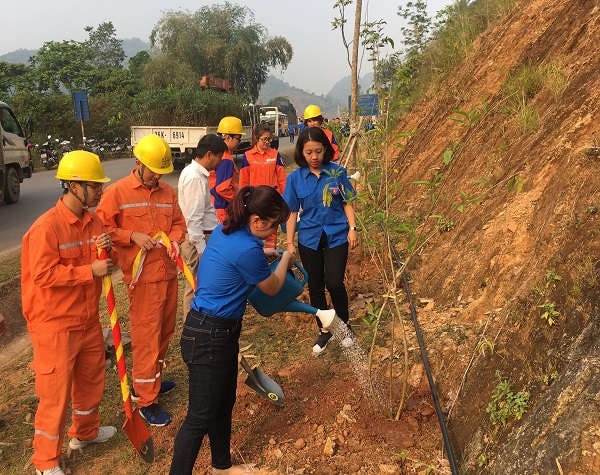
(40, 192)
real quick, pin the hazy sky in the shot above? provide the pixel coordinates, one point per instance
(319, 59)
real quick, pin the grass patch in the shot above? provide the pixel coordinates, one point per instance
(10, 265)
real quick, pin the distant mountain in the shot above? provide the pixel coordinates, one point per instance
(298, 97)
(334, 104)
(341, 90)
(131, 46)
(18, 56)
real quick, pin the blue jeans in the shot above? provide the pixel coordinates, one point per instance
(209, 347)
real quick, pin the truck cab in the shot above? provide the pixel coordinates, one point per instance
(15, 157)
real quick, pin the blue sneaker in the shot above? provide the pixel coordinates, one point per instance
(155, 415)
(165, 387)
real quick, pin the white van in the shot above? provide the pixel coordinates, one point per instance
(15, 158)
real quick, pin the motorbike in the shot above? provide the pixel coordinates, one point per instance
(49, 153)
(95, 146)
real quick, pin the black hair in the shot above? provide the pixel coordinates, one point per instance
(318, 118)
(260, 129)
(312, 134)
(264, 201)
(210, 143)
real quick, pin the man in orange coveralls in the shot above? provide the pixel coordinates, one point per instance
(263, 165)
(134, 209)
(61, 282)
(222, 180)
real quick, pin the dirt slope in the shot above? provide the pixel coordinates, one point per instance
(526, 235)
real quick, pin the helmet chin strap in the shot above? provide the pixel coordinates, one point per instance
(85, 194)
(141, 171)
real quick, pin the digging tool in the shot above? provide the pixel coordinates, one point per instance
(134, 427)
(257, 379)
(261, 383)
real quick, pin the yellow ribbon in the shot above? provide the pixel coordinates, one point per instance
(138, 263)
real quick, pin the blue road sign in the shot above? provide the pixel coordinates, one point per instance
(368, 104)
(80, 104)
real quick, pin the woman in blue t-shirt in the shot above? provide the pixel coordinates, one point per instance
(327, 226)
(232, 265)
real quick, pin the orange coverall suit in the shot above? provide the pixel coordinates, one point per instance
(127, 206)
(60, 304)
(223, 186)
(334, 144)
(258, 168)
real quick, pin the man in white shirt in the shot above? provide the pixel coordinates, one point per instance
(196, 205)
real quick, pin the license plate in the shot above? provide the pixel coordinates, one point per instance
(43, 155)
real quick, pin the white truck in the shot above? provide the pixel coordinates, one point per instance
(15, 157)
(183, 140)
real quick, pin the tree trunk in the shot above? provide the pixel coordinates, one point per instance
(354, 77)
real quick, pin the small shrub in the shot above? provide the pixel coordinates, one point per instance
(549, 313)
(443, 223)
(506, 404)
(552, 278)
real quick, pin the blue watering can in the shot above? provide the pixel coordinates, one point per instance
(285, 299)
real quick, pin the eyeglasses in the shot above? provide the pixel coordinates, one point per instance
(94, 186)
(265, 139)
(236, 137)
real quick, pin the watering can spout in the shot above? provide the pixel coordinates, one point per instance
(326, 317)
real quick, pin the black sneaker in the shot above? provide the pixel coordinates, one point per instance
(165, 387)
(321, 342)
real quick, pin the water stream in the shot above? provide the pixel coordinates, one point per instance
(373, 388)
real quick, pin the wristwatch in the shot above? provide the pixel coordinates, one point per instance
(353, 228)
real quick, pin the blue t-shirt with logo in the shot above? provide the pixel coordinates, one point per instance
(304, 189)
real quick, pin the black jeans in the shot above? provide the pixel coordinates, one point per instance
(326, 268)
(209, 347)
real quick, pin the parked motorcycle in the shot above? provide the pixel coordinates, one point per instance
(93, 145)
(50, 153)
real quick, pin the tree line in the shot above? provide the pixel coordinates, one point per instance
(156, 87)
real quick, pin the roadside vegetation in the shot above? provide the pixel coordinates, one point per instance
(160, 86)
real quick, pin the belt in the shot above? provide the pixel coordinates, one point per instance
(219, 322)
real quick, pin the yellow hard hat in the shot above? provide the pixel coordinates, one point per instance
(230, 125)
(155, 153)
(311, 112)
(81, 165)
